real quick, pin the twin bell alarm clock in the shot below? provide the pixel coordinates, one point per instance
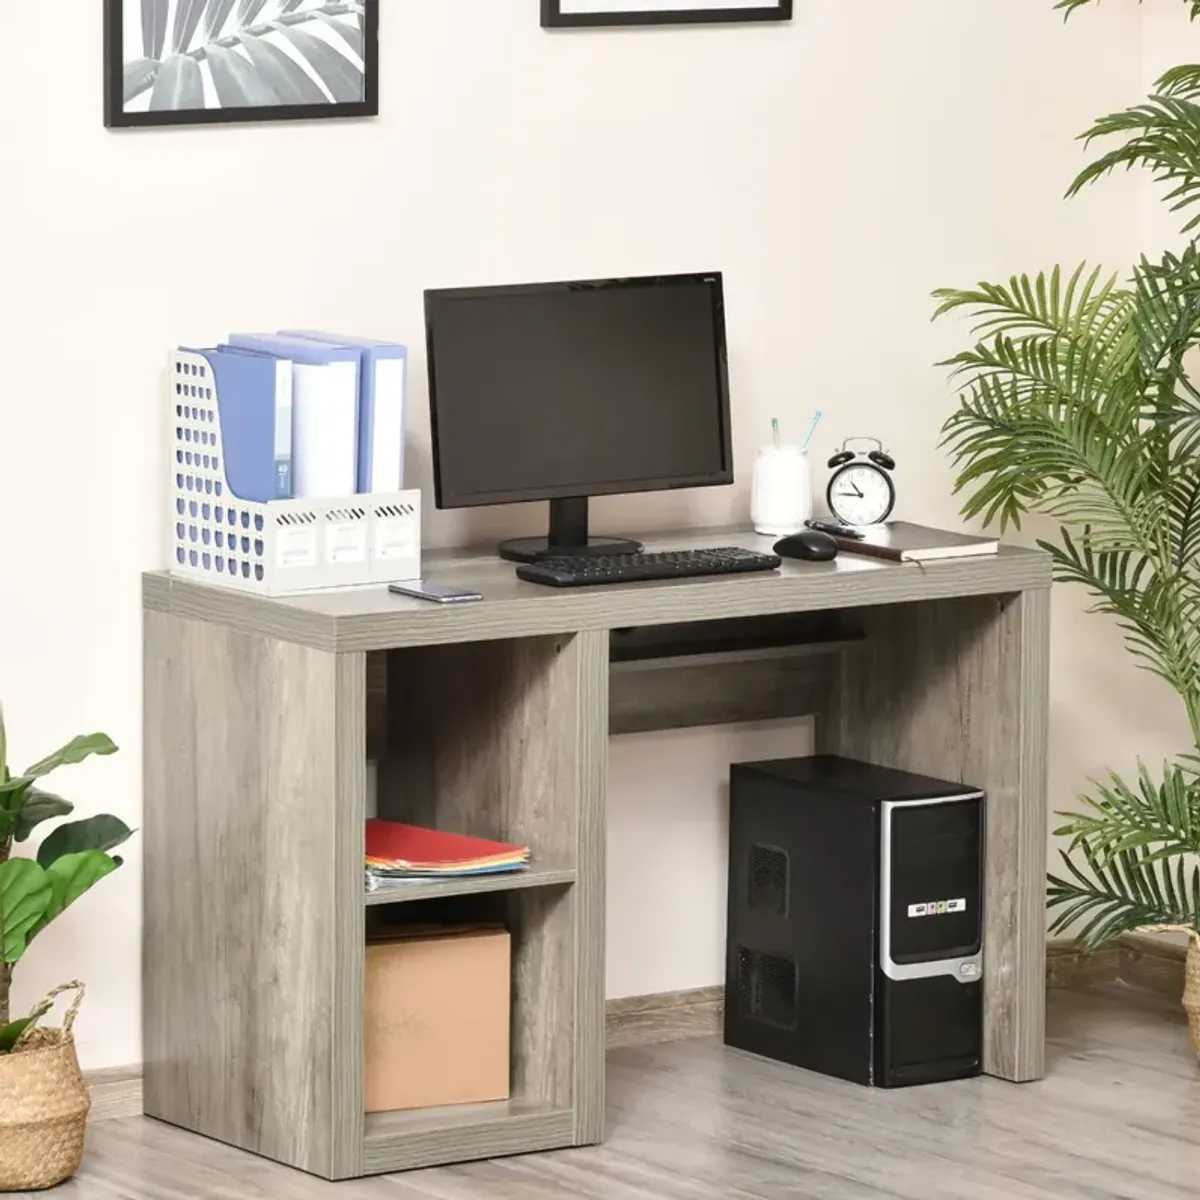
(860, 490)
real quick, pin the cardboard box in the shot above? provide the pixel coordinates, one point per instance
(436, 1014)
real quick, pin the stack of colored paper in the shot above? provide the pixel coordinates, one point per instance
(398, 853)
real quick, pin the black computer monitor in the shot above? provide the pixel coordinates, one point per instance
(561, 391)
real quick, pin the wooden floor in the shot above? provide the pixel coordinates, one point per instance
(1118, 1117)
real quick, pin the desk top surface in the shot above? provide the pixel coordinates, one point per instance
(372, 618)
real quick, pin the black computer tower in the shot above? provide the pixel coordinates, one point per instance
(855, 936)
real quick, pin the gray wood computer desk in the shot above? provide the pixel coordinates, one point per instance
(494, 718)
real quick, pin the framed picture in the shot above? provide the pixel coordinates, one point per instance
(559, 14)
(189, 62)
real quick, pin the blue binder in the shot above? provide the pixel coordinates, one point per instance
(382, 402)
(254, 403)
(325, 411)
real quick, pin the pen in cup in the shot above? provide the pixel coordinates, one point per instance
(811, 430)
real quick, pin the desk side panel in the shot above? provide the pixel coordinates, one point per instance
(959, 689)
(252, 964)
(590, 652)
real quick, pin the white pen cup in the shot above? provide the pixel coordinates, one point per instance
(781, 494)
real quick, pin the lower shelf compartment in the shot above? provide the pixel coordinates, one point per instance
(403, 1141)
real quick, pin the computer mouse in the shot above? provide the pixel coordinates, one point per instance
(811, 545)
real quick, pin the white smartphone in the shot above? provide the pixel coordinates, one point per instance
(439, 593)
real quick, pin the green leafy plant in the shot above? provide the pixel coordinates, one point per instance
(1076, 403)
(70, 860)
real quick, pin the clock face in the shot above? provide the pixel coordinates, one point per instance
(861, 494)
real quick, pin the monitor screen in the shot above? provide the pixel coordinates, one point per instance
(555, 390)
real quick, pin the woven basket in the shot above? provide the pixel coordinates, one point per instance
(44, 1103)
(1191, 990)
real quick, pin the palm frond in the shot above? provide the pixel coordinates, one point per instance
(1184, 499)
(1076, 404)
(1116, 578)
(1090, 311)
(1124, 893)
(1045, 423)
(154, 28)
(1162, 818)
(187, 21)
(1039, 303)
(1168, 327)
(215, 17)
(1072, 5)
(1162, 135)
(1157, 609)
(1183, 81)
(1166, 311)
(251, 50)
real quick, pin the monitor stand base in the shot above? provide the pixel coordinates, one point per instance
(568, 535)
(530, 549)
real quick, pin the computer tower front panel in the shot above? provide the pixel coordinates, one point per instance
(929, 1022)
(931, 864)
(927, 1030)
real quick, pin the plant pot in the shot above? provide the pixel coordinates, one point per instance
(1191, 990)
(44, 1105)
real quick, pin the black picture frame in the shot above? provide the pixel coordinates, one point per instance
(116, 116)
(553, 16)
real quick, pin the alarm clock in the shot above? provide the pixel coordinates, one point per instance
(860, 490)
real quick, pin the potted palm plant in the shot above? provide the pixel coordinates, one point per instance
(1077, 402)
(43, 1100)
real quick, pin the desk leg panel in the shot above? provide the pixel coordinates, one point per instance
(252, 954)
(959, 688)
(591, 653)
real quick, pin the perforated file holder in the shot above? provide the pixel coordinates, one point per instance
(283, 547)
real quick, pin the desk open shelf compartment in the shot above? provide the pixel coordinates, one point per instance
(542, 924)
(485, 739)
(480, 740)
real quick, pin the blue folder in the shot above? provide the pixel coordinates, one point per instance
(325, 411)
(254, 402)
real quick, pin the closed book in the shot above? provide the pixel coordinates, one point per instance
(324, 411)
(382, 395)
(902, 541)
(254, 407)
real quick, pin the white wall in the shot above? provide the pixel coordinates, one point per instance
(1167, 40)
(668, 849)
(837, 169)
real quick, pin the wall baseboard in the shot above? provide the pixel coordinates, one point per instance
(1144, 960)
(116, 1092)
(664, 1017)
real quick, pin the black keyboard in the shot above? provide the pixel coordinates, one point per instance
(587, 570)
